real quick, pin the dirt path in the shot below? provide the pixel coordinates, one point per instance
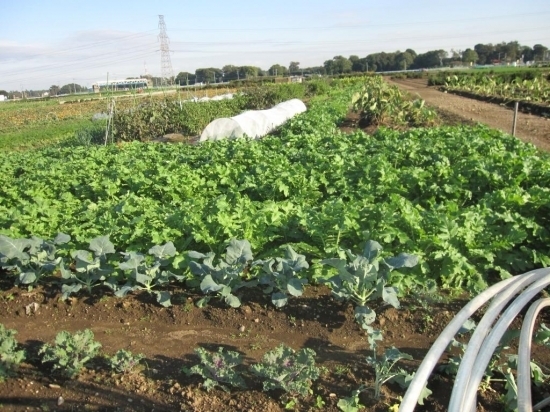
(530, 128)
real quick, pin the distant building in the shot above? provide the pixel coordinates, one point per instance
(120, 84)
(3, 98)
(290, 79)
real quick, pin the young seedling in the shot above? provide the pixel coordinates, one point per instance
(279, 276)
(283, 368)
(10, 357)
(351, 403)
(70, 353)
(218, 369)
(384, 368)
(124, 361)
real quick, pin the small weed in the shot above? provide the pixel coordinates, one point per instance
(341, 370)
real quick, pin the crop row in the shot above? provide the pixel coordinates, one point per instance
(536, 90)
(17, 116)
(470, 202)
(156, 118)
(381, 104)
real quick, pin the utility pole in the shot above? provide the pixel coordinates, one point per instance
(165, 62)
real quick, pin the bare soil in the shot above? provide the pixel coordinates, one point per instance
(168, 336)
(530, 128)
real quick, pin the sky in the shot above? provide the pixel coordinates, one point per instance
(56, 42)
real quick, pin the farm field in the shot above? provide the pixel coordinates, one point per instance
(438, 213)
(530, 128)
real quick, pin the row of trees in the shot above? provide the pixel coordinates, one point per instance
(481, 54)
(377, 62)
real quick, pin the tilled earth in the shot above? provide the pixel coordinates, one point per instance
(168, 336)
(530, 128)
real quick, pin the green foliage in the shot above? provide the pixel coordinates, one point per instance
(10, 357)
(283, 368)
(351, 403)
(536, 90)
(70, 353)
(145, 275)
(218, 368)
(280, 276)
(30, 259)
(92, 268)
(364, 278)
(124, 361)
(227, 276)
(382, 104)
(385, 370)
(470, 202)
(542, 337)
(90, 135)
(156, 118)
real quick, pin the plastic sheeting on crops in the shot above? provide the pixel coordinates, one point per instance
(253, 123)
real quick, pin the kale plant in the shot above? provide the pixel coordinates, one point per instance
(283, 368)
(10, 357)
(363, 278)
(218, 368)
(124, 361)
(144, 275)
(92, 267)
(30, 259)
(279, 276)
(70, 353)
(226, 277)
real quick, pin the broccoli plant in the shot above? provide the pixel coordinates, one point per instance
(279, 276)
(30, 259)
(92, 267)
(364, 278)
(70, 353)
(384, 369)
(226, 277)
(283, 368)
(144, 275)
(124, 361)
(218, 368)
(10, 357)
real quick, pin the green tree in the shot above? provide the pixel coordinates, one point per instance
(469, 56)
(54, 90)
(70, 88)
(277, 70)
(294, 67)
(338, 65)
(3, 93)
(208, 75)
(185, 78)
(485, 53)
(250, 71)
(539, 52)
(433, 58)
(404, 60)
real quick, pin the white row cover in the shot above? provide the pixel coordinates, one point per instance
(253, 123)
